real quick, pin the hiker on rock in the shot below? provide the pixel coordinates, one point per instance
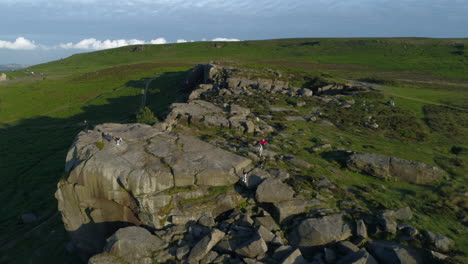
(244, 177)
(262, 145)
(85, 126)
(118, 140)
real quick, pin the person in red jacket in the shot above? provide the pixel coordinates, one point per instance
(262, 145)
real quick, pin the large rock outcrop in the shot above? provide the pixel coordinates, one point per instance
(390, 167)
(152, 178)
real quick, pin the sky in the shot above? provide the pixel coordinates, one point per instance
(37, 31)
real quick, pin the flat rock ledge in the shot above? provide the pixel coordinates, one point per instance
(151, 178)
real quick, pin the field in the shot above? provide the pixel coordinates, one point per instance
(41, 114)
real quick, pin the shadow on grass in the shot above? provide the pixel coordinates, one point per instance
(32, 155)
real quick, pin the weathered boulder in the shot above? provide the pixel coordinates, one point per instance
(253, 248)
(390, 167)
(273, 190)
(294, 258)
(390, 252)
(3, 77)
(361, 229)
(111, 186)
(134, 245)
(284, 209)
(204, 246)
(441, 243)
(320, 231)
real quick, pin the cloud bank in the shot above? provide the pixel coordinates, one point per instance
(19, 44)
(225, 39)
(94, 44)
(22, 43)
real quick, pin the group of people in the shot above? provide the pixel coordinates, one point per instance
(109, 138)
(261, 146)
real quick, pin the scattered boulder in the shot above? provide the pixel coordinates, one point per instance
(361, 229)
(273, 190)
(295, 257)
(390, 167)
(441, 243)
(298, 162)
(283, 210)
(320, 231)
(204, 246)
(254, 248)
(134, 244)
(3, 77)
(390, 253)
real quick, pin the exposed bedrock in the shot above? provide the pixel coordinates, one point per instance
(153, 178)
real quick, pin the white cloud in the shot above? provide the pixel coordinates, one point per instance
(225, 39)
(158, 41)
(181, 41)
(94, 44)
(19, 44)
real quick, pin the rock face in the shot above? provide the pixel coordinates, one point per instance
(390, 167)
(320, 231)
(111, 186)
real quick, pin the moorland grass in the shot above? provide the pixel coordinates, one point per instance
(39, 117)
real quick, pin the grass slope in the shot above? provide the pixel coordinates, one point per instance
(40, 115)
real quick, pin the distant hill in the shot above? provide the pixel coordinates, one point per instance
(11, 67)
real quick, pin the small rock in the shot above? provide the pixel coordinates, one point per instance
(442, 243)
(207, 221)
(254, 248)
(202, 248)
(294, 258)
(209, 258)
(265, 234)
(361, 229)
(182, 252)
(326, 123)
(389, 253)
(346, 247)
(266, 221)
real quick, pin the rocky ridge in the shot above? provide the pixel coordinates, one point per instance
(165, 196)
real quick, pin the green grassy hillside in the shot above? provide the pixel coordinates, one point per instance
(41, 114)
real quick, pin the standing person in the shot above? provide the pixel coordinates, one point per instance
(244, 177)
(85, 126)
(262, 145)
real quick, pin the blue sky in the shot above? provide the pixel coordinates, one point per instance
(35, 31)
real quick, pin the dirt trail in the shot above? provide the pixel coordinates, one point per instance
(145, 93)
